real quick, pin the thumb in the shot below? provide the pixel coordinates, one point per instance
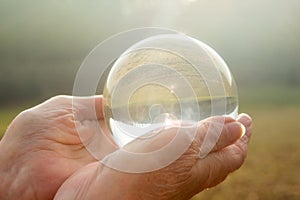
(90, 125)
(96, 138)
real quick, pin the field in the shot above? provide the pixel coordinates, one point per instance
(271, 170)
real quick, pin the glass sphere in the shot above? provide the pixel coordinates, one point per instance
(169, 80)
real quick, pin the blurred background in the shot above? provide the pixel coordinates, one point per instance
(42, 44)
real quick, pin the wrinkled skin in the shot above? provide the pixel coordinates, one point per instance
(42, 156)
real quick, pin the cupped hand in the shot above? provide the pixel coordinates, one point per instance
(41, 148)
(181, 180)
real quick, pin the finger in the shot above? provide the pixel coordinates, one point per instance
(216, 166)
(216, 133)
(219, 164)
(231, 132)
(246, 120)
(88, 108)
(244, 140)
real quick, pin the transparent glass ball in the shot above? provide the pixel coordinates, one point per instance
(169, 80)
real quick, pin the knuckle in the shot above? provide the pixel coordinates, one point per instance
(59, 98)
(24, 118)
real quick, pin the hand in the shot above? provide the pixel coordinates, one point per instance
(180, 180)
(41, 147)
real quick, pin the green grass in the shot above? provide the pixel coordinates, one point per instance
(271, 170)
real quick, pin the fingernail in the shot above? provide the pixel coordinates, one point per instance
(243, 128)
(245, 118)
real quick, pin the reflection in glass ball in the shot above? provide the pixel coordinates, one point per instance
(165, 81)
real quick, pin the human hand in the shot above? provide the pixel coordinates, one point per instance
(41, 148)
(180, 180)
